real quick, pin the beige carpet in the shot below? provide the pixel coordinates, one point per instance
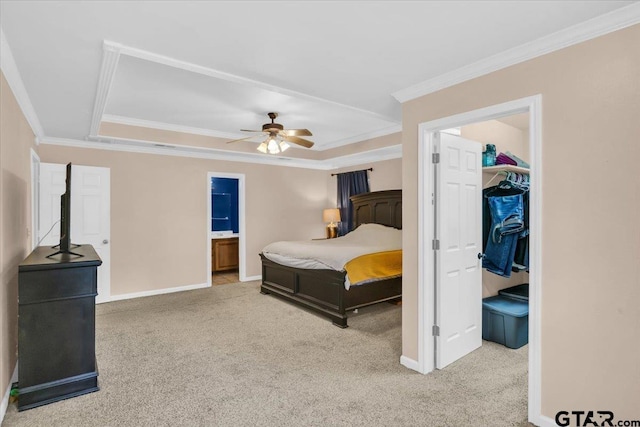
(228, 356)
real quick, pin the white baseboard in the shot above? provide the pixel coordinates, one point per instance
(252, 278)
(5, 399)
(544, 421)
(409, 363)
(157, 292)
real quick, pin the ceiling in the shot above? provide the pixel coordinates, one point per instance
(216, 67)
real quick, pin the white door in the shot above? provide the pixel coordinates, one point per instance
(90, 217)
(458, 272)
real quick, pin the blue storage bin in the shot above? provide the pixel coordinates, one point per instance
(520, 292)
(505, 321)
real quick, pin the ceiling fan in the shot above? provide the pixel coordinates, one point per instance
(278, 137)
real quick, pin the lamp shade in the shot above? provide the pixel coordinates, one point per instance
(331, 215)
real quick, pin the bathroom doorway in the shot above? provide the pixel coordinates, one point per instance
(225, 228)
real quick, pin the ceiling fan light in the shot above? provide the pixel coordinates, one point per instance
(278, 139)
(272, 146)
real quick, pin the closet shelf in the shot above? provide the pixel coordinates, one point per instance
(505, 168)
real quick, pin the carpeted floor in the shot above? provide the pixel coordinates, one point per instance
(228, 356)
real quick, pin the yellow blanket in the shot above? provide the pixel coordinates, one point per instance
(372, 267)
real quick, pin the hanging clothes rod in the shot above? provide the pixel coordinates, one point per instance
(370, 169)
(505, 173)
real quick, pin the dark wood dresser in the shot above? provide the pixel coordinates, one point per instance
(56, 326)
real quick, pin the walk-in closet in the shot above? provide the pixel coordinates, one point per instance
(506, 167)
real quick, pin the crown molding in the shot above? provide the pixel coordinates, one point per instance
(170, 127)
(163, 149)
(151, 147)
(110, 57)
(587, 30)
(188, 66)
(362, 137)
(11, 73)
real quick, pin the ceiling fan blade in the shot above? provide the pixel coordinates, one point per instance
(241, 139)
(300, 141)
(247, 130)
(296, 132)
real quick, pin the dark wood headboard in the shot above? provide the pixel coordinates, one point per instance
(379, 207)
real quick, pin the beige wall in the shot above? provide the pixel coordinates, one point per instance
(16, 139)
(590, 201)
(366, 145)
(386, 175)
(505, 138)
(159, 212)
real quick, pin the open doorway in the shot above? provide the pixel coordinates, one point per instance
(429, 329)
(225, 228)
(505, 176)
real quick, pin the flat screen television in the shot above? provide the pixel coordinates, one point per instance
(64, 247)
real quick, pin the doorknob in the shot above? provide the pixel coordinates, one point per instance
(480, 255)
(105, 242)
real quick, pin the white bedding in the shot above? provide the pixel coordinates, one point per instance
(335, 253)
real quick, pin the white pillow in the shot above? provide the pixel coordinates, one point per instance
(376, 233)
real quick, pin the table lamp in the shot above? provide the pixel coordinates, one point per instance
(331, 216)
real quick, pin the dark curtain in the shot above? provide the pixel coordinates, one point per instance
(349, 184)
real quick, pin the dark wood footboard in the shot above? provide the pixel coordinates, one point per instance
(323, 291)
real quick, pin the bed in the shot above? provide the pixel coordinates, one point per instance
(323, 290)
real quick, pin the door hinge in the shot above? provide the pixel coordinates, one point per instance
(435, 330)
(435, 244)
(435, 158)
